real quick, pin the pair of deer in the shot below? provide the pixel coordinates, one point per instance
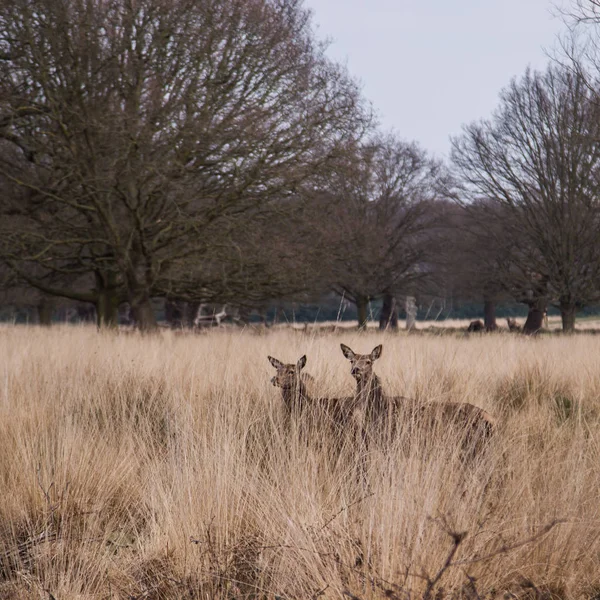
(369, 399)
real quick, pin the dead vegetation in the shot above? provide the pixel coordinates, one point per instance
(160, 468)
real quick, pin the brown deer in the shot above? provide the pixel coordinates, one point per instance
(292, 383)
(297, 400)
(376, 405)
(369, 396)
(512, 324)
(475, 326)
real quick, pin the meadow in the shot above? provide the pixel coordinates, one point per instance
(161, 467)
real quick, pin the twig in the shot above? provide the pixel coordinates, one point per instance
(46, 492)
(508, 548)
(344, 509)
(473, 585)
(457, 538)
(320, 592)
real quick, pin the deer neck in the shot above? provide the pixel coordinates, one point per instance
(369, 390)
(295, 397)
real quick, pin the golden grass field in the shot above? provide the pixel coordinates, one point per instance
(160, 467)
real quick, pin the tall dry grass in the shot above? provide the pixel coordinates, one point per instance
(161, 467)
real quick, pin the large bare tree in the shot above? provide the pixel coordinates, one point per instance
(536, 164)
(142, 129)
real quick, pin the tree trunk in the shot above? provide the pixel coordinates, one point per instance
(388, 319)
(190, 313)
(107, 299)
(143, 314)
(535, 316)
(45, 308)
(138, 294)
(107, 308)
(489, 315)
(362, 304)
(567, 313)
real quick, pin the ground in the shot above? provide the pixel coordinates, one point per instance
(162, 467)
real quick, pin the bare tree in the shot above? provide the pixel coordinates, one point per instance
(585, 11)
(375, 220)
(486, 260)
(145, 127)
(536, 164)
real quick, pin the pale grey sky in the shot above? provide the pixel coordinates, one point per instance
(429, 66)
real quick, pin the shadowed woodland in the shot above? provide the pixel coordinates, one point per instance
(187, 154)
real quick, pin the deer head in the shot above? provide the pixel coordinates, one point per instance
(362, 364)
(288, 375)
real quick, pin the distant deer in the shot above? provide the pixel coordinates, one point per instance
(296, 398)
(377, 405)
(512, 324)
(476, 326)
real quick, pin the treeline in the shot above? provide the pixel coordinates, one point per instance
(199, 152)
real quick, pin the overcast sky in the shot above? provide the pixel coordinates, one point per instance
(429, 66)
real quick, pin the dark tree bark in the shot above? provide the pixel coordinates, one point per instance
(107, 300)
(535, 316)
(107, 308)
(362, 305)
(45, 310)
(143, 315)
(388, 319)
(190, 313)
(568, 311)
(489, 315)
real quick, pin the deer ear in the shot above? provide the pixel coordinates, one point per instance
(376, 352)
(276, 363)
(301, 363)
(347, 352)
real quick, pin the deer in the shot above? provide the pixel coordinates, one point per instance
(475, 326)
(512, 324)
(292, 383)
(377, 406)
(296, 398)
(369, 396)
(333, 416)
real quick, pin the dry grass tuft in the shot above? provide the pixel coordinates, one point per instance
(160, 468)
